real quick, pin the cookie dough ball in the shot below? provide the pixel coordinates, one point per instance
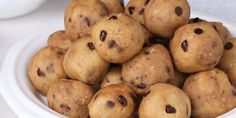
(196, 47)
(59, 39)
(82, 62)
(112, 77)
(135, 9)
(228, 60)
(118, 38)
(113, 101)
(165, 101)
(179, 79)
(70, 98)
(114, 6)
(45, 68)
(81, 15)
(211, 93)
(222, 30)
(152, 65)
(163, 17)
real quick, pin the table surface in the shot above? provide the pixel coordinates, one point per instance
(13, 30)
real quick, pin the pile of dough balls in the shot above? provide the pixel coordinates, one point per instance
(147, 59)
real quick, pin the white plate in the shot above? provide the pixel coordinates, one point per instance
(16, 89)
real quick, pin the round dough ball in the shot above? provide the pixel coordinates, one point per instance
(211, 93)
(45, 68)
(113, 101)
(118, 38)
(163, 17)
(112, 77)
(82, 62)
(135, 9)
(152, 65)
(179, 79)
(59, 39)
(196, 47)
(70, 98)
(114, 6)
(228, 60)
(222, 30)
(81, 15)
(165, 101)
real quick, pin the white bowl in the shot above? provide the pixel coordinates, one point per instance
(14, 8)
(16, 89)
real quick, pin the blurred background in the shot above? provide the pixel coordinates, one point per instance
(14, 29)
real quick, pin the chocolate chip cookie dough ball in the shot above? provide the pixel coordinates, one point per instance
(113, 101)
(70, 98)
(112, 77)
(211, 93)
(152, 65)
(82, 62)
(117, 38)
(196, 47)
(165, 101)
(163, 17)
(114, 6)
(135, 9)
(59, 39)
(81, 15)
(45, 68)
(228, 60)
(222, 30)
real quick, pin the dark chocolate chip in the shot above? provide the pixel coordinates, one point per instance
(90, 46)
(86, 19)
(228, 46)
(122, 100)
(131, 10)
(113, 18)
(184, 45)
(65, 107)
(170, 109)
(195, 20)
(178, 11)
(69, 20)
(112, 44)
(141, 12)
(133, 96)
(146, 93)
(103, 35)
(141, 86)
(40, 73)
(146, 2)
(198, 31)
(110, 104)
(60, 53)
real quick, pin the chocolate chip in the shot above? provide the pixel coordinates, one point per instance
(90, 46)
(198, 31)
(110, 104)
(65, 107)
(141, 86)
(195, 20)
(141, 12)
(40, 73)
(112, 44)
(122, 100)
(170, 109)
(103, 35)
(178, 11)
(69, 20)
(86, 19)
(133, 96)
(146, 93)
(146, 2)
(152, 40)
(131, 10)
(184, 45)
(113, 18)
(228, 46)
(146, 52)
